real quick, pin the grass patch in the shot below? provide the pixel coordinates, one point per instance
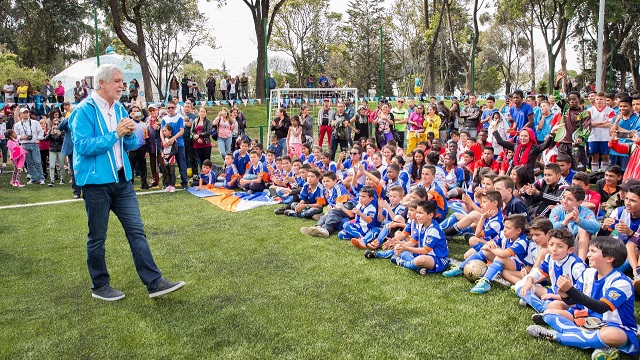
(256, 288)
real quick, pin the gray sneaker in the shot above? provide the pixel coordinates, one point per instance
(542, 333)
(164, 287)
(107, 293)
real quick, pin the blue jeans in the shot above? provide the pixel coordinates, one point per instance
(34, 163)
(182, 165)
(4, 149)
(283, 143)
(120, 198)
(224, 145)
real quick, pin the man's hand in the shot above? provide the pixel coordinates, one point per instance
(124, 127)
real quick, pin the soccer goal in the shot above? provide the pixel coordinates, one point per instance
(294, 98)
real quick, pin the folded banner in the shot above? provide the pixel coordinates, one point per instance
(230, 200)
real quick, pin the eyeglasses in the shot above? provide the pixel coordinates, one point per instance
(400, 102)
(171, 107)
(355, 153)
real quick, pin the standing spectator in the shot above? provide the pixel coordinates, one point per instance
(326, 115)
(228, 87)
(154, 146)
(625, 122)
(244, 86)
(189, 118)
(323, 81)
(306, 121)
(78, 92)
(56, 139)
(471, 115)
(134, 88)
(184, 83)
(194, 92)
(22, 92)
(223, 88)
(30, 91)
(59, 90)
(416, 130)
(138, 153)
(400, 117)
(521, 113)
(201, 132)
(272, 84)
(48, 92)
(211, 88)
(232, 89)
(3, 141)
(177, 132)
(174, 86)
(87, 88)
(44, 146)
(238, 123)
(105, 177)
(225, 127)
(280, 127)
(9, 91)
(339, 133)
(309, 81)
(30, 133)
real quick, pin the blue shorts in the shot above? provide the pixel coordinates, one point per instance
(599, 147)
(440, 264)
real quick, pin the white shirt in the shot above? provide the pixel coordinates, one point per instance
(28, 127)
(109, 115)
(605, 114)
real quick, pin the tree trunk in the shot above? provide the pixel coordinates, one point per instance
(262, 57)
(430, 73)
(456, 53)
(563, 63)
(533, 53)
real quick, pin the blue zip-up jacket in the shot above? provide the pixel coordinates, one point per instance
(587, 220)
(67, 144)
(94, 161)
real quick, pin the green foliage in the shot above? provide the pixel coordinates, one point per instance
(488, 80)
(9, 69)
(543, 87)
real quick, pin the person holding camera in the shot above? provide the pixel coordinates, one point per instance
(102, 132)
(29, 134)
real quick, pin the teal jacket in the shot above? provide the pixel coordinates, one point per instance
(93, 156)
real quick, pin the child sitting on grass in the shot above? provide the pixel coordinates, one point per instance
(506, 252)
(559, 261)
(364, 216)
(575, 217)
(255, 177)
(601, 315)
(490, 223)
(206, 176)
(387, 212)
(538, 229)
(426, 251)
(311, 198)
(542, 196)
(388, 246)
(231, 176)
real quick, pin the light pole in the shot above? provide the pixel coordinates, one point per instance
(600, 47)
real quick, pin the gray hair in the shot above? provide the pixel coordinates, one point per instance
(104, 73)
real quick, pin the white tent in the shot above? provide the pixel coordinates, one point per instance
(85, 69)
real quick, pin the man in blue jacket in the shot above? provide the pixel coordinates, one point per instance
(102, 133)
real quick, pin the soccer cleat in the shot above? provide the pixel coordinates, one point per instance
(542, 333)
(370, 254)
(636, 284)
(522, 303)
(357, 242)
(396, 260)
(290, 212)
(280, 211)
(481, 286)
(605, 354)
(538, 319)
(423, 271)
(454, 271)
(316, 217)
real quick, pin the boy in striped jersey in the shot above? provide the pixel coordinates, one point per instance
(560, 260)
(601, 315)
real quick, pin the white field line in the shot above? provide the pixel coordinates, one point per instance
(18, 206)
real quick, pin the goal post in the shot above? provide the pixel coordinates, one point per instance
(292, 99)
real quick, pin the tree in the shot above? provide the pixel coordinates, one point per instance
(303, 31)
(433, 23)
(459, 36)
(42, 33)
(553, 17)
(361, 37)
(263, 13)
(130, 13)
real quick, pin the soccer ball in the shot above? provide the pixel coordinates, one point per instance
(474, 270)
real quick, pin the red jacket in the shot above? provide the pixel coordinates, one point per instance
(633, 168)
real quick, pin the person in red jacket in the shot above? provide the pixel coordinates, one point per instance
(633, 167)
(486, 160)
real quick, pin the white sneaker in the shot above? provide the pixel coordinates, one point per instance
(61, 182)
(172, 189)
(42, 182)
(167, 189)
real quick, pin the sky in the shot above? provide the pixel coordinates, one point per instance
(235, 36)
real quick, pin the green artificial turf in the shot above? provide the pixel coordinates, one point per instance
(256, 288)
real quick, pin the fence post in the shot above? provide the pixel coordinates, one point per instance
(261, 134)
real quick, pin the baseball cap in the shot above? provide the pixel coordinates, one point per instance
(24, 109)
(627, 184)
(154, 106)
